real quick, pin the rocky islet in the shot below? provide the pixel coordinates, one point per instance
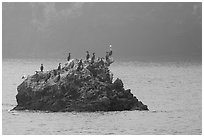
(89, 87)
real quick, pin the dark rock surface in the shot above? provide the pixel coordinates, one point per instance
(73, 88)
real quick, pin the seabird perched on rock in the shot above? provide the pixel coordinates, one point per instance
(48, 77)
(87, 55)
(41, 68)
(107, 55)
(79, 65)
(93, 58)
(59, 67)
(69, 57)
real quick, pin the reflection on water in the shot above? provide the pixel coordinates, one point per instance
(172, 92)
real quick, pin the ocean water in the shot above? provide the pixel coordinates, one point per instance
(172, 91)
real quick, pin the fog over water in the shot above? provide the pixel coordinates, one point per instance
(141, 30)
(157, 48)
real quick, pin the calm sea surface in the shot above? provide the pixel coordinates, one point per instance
(172, 91)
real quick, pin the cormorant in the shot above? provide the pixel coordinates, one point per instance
(107, 55)
(59, 67)
(48, 77)
(69, 57)
(93, 58)
(41, 68)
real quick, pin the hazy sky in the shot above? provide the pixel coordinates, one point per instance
(47, 30)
